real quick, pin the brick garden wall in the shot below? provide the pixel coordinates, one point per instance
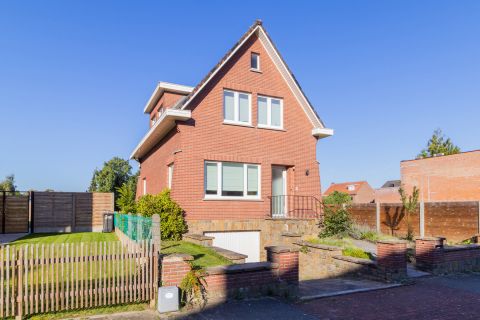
(279, 275)
(456, 221)
(432, 255)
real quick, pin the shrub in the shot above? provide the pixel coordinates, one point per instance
(337, 221)
(172, 222)
(126, 198)
(356, 253)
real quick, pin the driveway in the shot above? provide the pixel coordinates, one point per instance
(437, 298)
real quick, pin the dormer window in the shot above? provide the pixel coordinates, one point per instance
(351, 187)
(255, 61)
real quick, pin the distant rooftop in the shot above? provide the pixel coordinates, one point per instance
(392, 184)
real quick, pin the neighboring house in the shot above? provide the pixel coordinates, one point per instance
(444, 178)
(359, 191)
(238, 150)
(388, 193)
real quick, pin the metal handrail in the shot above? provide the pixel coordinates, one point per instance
(295, 207)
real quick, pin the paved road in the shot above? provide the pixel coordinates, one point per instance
(453, 297)
(441, 298)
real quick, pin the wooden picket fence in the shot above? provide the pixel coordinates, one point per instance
(44, 278)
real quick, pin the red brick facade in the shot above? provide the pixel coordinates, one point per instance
(206, 137)
(444, 178)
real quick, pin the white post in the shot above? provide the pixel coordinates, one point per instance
(422, 219)
(378, 218)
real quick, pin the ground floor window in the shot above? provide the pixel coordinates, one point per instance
(232, 180)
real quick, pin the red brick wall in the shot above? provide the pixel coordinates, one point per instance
(365, 194)
(155, 165)
(361, 213)
(167, 100)
(205, 137)
(387, 195)
(447, 178)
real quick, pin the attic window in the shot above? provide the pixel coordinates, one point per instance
(351, 187)
(255, 62)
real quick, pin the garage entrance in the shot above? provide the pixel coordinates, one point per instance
(244, 242)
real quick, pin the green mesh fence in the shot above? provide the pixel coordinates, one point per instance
(135, 227)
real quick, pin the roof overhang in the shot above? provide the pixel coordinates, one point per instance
(160, 89)
(164, 124)
(321, 133)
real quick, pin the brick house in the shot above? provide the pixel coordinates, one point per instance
(388, 192)
(238, 151)
(359, 191)
(454, 177)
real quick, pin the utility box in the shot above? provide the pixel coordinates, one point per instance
(108, 222)
(168, 299)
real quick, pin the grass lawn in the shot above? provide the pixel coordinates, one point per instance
(203, 257)
(76, 237)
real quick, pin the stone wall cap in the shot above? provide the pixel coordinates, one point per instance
(281, 249)
(199, 237)
(177, 257)
(231, 255)
(291, 234)
(392, 241)
(430, 238)
(317, 246)
(355, 260)
(461, 247)
(239, 268)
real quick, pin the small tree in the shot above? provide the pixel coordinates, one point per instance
(410, 203)
(8, 184)
(172, 222)
(126, 198)
(337, 221)
(438, 144)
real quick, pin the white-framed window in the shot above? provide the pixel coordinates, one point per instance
(170, 175)
(232, 180)
(237, 107)
(152, 121)
(270, 112)
(255, 61)
(144, 186)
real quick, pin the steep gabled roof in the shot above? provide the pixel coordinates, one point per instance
(319, 128)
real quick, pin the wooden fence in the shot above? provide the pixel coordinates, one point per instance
(14, 210)
(44, 278)
(70, 211)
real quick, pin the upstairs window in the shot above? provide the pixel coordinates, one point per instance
(170, 175)
(144, 186)
(232, 180)
(237, 107)
(255, 61)
(270, 112)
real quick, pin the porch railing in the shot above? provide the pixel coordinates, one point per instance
(295, 207)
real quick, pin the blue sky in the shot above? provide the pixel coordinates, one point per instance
(75, 75)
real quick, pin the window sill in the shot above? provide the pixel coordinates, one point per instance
(219, 198)
(240, 124)
(256, 70)
(270, 128)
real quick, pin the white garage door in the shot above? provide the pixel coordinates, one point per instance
(244, 242)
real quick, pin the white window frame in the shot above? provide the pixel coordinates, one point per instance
(219, 196)
(171, 167)
(144, 186)
(236, 108)
(269, 113)
(258, 61)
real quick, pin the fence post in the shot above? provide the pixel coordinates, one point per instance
(378, 217)
(156, 245)
(19, 263)
(422, 219)
(129, 227)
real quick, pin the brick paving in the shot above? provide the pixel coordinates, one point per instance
(432, 298)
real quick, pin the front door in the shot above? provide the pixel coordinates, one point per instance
(279, 191)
